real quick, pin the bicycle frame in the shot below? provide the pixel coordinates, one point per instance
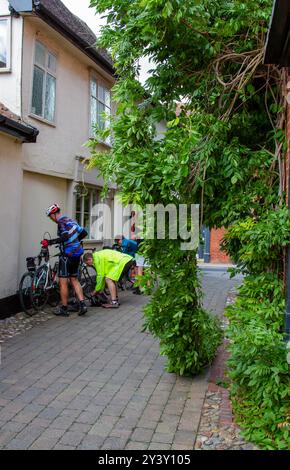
(46, 280)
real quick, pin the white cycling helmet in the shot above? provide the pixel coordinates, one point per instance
(52, 210)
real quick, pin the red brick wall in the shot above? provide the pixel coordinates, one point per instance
(216, 255)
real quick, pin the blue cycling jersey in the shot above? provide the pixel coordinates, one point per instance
(69, 231)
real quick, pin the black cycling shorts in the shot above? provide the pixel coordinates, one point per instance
(68, 266)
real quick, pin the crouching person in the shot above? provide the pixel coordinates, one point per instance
(110, 266)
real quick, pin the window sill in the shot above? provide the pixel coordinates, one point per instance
(6, 70)
(39, 118)
(88, 244)
(105, 144)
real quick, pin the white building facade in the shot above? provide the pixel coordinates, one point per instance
(53, 78)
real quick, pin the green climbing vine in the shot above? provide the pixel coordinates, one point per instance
(224, 149)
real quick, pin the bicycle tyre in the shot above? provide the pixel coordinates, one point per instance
(39, 296)
(54, 292)
(54, 297)
(87, 282)
(24, 292)
(126, 282)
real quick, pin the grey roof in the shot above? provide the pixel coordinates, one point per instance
(74, 23)
(58, 16)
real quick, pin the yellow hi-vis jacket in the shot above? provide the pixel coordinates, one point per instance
(110, 264)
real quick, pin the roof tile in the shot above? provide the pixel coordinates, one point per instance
(75, 24)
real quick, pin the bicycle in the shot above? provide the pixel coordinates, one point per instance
(25, 285)
(38, 285)
(87, 278)
(127, 281)
(45, 287)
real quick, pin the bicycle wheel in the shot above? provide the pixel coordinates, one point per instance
(54, 291)
(126, 282)
(39, 294)
(87, 280)
(24, 292)
(54, 296)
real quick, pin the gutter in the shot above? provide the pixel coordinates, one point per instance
(18, 130)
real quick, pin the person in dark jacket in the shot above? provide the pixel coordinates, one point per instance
(70, 234)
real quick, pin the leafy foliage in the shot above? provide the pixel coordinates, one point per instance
(223, 148)
(258, 366)
(188, 335)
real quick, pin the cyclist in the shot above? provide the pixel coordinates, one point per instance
(126, 245)
(70, 234)
(110, 266)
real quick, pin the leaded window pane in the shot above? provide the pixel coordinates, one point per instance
(37, 91)
(87, 203)
(3, 43)
(101, 93)
(40, 54)
(50, 98)
(107, 98)
(78, 203)
(101, 121)
(79, 218)
(52, 62)
(44, 83)
(100, 104)
(94, 198)
(94, 88)
(87, 222)
(93, 112)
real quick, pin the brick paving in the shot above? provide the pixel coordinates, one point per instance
(217, 380)
(98, 382)
(218, 429)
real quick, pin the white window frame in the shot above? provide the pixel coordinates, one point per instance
(9, 35)
(47, 71)
(90, 190)
(98, 83)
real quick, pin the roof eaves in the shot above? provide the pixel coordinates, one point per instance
(18, 129)
(89, 49)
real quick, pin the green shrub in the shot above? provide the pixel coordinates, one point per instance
(189, 335)
(224, 151)
(258, 367)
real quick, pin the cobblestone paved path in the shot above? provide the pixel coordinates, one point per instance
(98, 382)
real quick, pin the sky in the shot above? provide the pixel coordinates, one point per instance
(94, 21)
(81, 9)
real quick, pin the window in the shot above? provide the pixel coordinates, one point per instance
(5, 34)
(44, 83)
(100, 103)
(86, 213)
